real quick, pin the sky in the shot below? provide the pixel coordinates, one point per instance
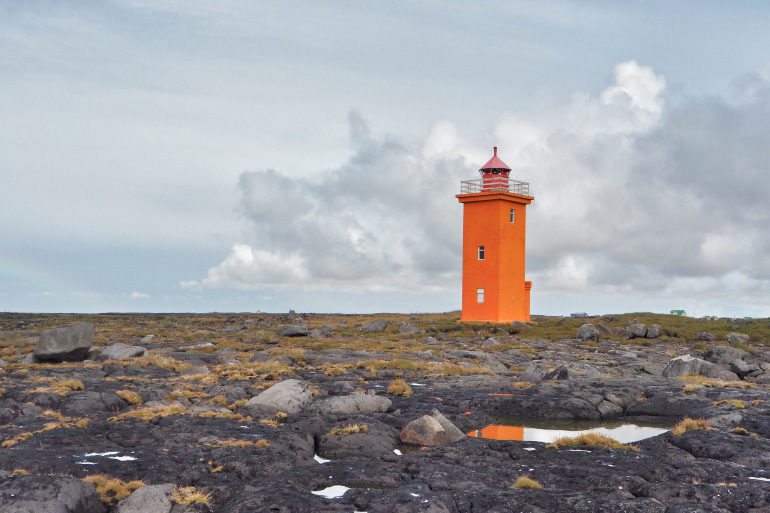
(234, 156)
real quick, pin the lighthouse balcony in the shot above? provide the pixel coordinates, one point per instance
(494, 184)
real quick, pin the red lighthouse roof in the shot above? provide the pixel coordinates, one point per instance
(495, 163)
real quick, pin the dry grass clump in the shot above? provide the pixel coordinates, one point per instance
(334, 369)
(523, 385)
(112, 489)
(438, 370)
(164, 362)
(210, 379)
(691, 387)
(590, 439)
(187, 394)
(708, 382)
(400, 387)
(688, 424)
(60, 387)
(2, 392)
(526, 482)
(735, 402)
(130, 397)
(189, 495)
(150, 412)
(349, 429)
(397, 364)
(18, 472)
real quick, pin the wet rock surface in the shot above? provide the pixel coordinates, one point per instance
(260, 422)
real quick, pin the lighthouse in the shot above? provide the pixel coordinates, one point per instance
(494, 235)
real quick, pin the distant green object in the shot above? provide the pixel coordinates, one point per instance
(678, 312)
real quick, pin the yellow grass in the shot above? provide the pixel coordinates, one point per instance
(523, 385)
(189, 495)
(130, 397)
(708, 382)
(590, 439)
(112, 489)
(400, 387)
(735, 402)
(688, 424)
(231, 442)
(526, 482)
(349, 429)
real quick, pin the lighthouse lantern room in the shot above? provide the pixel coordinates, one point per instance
(494, 236)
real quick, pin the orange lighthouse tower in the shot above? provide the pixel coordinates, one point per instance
(494, 232)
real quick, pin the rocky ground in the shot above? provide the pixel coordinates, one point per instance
(240, 413)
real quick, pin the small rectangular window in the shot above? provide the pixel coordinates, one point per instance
(481, 252)
(479, 295)
(513, 216)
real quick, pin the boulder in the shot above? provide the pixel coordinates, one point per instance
(148, 499)
(637, 330)
(430, 431)
(67, 344)
(653, 331)
(686, 364)
(298, 329)
(121, 352)
(378, 441)
(377, 326)
(356, 403)
(534, 373)
(588, 332)
(198, 347)
(743, 369)
(89, 402)
(725, 355)
(737, 338)
(408, 329)
(146, 340)
(603, 329)
(705, 335)
(490, 342)
(29, 358)
(48, 494)
(290, 396)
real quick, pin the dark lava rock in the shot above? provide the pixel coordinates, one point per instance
(68, 344)
(32, 494)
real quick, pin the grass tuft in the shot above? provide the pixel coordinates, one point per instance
(189, 495)
(735, 402)
(130, 397)
(688, 424)
(350, 429)
(400, 387)
(112, 489)
(590, 439)
(526, 482)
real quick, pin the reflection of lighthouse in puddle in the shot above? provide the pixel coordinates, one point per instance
(499, 432)
(625, 433)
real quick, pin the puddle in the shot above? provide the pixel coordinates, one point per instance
(549, 431)
(332, 492)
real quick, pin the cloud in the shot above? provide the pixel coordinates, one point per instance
(633, 196)
(139, 295)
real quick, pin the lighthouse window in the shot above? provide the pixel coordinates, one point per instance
(479, 295)
(513, 216)
(481, 252)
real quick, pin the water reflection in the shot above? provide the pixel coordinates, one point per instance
(547, 432)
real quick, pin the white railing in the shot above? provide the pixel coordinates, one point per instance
(496, 184)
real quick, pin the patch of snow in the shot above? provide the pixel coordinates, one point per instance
(577, 450)
(760, 479)
(111, 453)
(418, 385)
(332, 492)
(85, 463)
(530, 449)
(415, 494)
(320, 459)
(123, 458)
(397, 452)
